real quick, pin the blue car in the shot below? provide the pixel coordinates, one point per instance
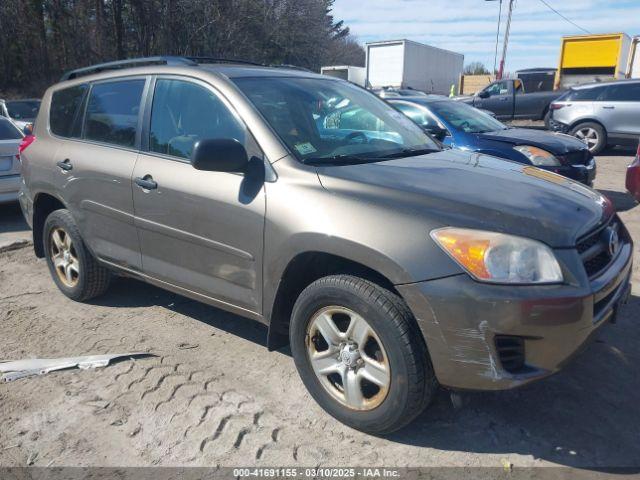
(461, 126)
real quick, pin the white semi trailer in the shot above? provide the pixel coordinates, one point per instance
(408, 64)
(346, 72)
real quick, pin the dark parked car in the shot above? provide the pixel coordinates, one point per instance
(633, 176)
(462, 126)
(509, 101)
(309, 204)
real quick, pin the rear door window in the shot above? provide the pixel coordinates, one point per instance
(64, 113)
(183, 113)
(112, 112)
(622, 92)
(583, 94)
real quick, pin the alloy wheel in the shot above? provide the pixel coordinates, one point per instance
(64, 257)
(348, 358)
(589, 136)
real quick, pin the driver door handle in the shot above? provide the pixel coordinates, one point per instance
(609, 107)
(146, 182)
(65, 164)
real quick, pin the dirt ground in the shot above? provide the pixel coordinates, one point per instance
(214, 396)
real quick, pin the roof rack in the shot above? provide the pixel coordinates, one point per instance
(201, 59)
(292, 67)
(133, 62)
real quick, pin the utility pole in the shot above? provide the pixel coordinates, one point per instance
(495, 55)
(506, 42)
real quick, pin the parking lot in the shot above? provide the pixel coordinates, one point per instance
(212, 395)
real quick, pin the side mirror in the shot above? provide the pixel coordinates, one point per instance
(219, 155)
(436, 132)
(483, 94)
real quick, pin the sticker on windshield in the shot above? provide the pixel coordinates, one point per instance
(305, 148)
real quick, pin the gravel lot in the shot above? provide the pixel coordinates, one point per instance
(213, 395)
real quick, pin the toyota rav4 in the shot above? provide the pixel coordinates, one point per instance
(302, 201)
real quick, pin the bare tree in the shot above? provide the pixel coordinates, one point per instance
(39, 39)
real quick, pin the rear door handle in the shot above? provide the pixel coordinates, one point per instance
(609, 107)
(65, 164)
(146, 182)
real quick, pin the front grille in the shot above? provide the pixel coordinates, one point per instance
(588, 242)
(595, 265)
(594, 248)
(510, 352)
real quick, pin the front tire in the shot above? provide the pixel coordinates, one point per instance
(593, 134)
(360, 354)
(72, 266)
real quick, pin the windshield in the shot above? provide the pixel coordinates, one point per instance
(23, 109)
(466, 118)
(332, 121)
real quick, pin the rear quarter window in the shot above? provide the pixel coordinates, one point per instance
(622, 92)
(64, 111)
(112, 112)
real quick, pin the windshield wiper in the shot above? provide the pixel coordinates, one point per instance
(410, 152)
(354, 159)
(337, 160)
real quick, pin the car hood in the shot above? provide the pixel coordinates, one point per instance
(555, 143)
(456, 188)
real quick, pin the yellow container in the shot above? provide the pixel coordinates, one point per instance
(605, 54)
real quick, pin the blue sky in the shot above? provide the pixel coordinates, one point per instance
(469, 26)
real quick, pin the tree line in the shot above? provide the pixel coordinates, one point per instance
(40, 39)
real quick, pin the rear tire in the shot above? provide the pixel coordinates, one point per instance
(73, 268)
(593, 134)
(376, 339)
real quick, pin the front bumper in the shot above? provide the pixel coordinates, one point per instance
(461, 320)
(584, 174)
(556, 126)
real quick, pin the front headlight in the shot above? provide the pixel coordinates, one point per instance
(537, 156)
(499, 258)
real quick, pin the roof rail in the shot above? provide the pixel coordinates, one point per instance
(133, 62)
(292, 67)
(204, 59)
(163, 60)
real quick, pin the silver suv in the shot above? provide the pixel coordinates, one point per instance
(311, 205)
(599, 114)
